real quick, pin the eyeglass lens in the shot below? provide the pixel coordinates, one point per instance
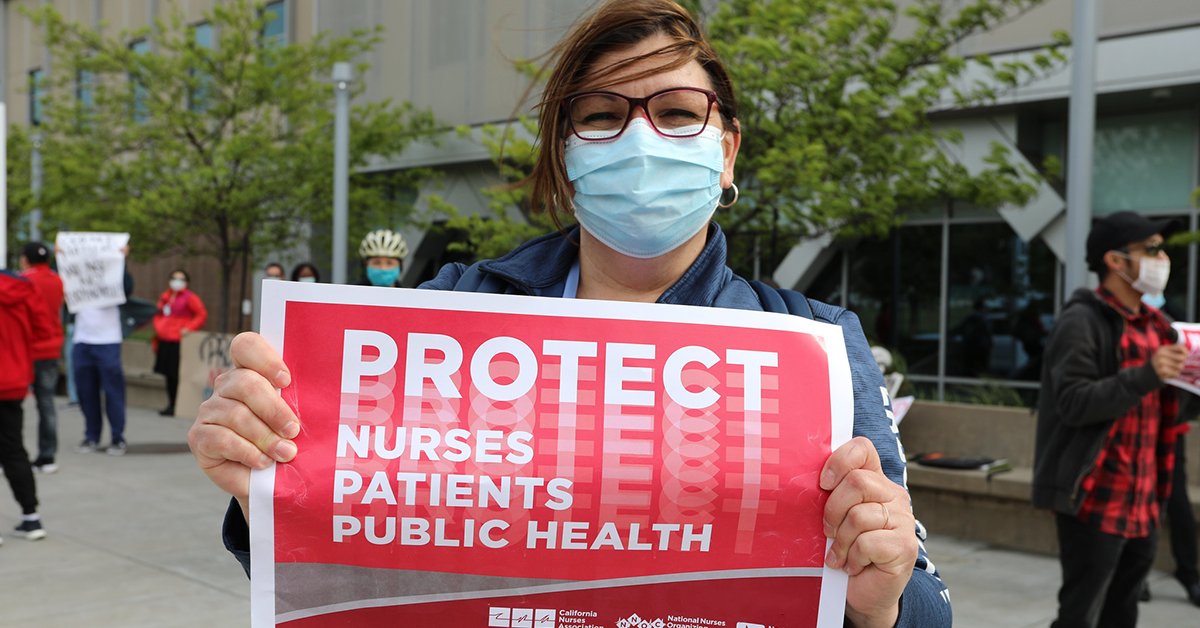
(679, 113)
(1152, 250)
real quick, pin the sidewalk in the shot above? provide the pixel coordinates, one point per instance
(135, 542)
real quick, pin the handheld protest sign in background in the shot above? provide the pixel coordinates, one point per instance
(92, 268)
(483, 460)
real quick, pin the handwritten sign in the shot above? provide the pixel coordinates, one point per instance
(92, 268)
(470, 460)
(203, 356)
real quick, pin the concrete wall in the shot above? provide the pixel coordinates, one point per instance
(1117, 17)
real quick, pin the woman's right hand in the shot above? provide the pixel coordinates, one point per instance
(245, 424)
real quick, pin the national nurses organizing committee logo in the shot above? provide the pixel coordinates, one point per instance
(503, 617)
(633, 621)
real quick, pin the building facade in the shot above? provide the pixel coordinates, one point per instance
(966, 296)
(962, 295)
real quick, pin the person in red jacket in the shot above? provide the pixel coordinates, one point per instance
(22, 323)
(35, 268)
(179, 311)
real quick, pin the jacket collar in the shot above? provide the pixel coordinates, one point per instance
(540, 267)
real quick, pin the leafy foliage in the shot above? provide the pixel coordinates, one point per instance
(836, 98)
(514, 155)
(20, 198)
(217, 151)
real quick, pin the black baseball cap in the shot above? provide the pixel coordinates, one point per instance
(36, 253)
(1118, 230)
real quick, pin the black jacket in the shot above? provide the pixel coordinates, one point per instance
(1084, 390)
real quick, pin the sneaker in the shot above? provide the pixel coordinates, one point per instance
(31, 530)
(116, 449)
(45, 467)
(86, 446)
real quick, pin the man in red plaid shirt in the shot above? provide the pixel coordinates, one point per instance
(1104, 444)
(1105, 447)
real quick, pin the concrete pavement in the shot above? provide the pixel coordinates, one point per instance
(134, 542)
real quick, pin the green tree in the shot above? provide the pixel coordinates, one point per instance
(835, 100)
(20, 198)
(214, 146)
(513, 156)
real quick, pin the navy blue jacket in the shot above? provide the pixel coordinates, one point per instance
(540, 268)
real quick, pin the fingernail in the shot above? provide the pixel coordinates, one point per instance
(831, 559)
(291, 430)
(264, 461)
(285, 450)
(827, 480)
(282, 379)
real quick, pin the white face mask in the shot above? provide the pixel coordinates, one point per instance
(1152, 276)
(177, 284)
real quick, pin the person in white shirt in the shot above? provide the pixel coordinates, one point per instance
(96, 360)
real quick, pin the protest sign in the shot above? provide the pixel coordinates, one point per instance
(900, 408)
(1189, 336)
(202, 357)
(92, 268)
(471, 460)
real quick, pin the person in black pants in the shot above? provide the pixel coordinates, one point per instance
(1182, 524)
(1177, 510)
(22, 322)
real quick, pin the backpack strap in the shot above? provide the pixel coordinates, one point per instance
(782, 301)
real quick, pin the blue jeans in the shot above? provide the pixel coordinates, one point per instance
(68, 344)
(45, 380)
(96, 367)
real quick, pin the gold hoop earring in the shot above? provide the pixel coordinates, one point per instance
(735, 197)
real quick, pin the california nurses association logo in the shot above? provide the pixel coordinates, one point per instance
(633, 621)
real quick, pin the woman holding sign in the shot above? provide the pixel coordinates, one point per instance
(639, 142)
(179, 311)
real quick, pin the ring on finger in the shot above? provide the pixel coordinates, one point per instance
(886, 516)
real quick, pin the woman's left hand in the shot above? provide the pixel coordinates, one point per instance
(869, 518)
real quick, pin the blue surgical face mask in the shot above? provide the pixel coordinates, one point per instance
(383, 278)
(644, 194)
(1156, 301)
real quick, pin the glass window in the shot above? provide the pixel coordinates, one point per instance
(140, 112)
(827, 287)
(275, 24)
(1001, 303)
(35, 97)
(202, 37)
(894, 291)
(83, 89)
(1144, 161)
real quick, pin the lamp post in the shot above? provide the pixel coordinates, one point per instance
(1080, 142)
(35, 186)
(343, 73)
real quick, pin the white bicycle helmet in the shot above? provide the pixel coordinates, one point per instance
(383, 243)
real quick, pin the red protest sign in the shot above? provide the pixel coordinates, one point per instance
(488, 460)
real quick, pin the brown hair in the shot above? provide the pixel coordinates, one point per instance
(614, 25)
